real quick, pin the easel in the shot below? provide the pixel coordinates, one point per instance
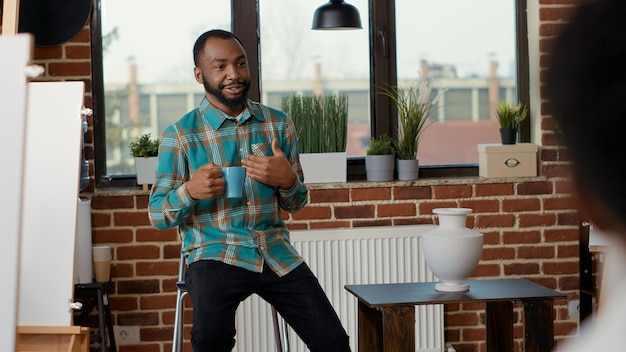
(24, 150)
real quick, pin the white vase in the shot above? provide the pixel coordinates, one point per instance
(452, 251)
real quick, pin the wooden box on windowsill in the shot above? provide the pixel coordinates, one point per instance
(510, 160)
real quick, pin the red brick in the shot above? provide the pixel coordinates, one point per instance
(462, 319)
(480, 205)
(138, 286)
(396, 209)
(131, 218)
(426, 208)
(521, 204)
(152, 268)
(529, 220)
(452, 191)
(78, 52)
(329, 224)
(499, 220)
(521, 269)
(535, 252)
(329, 195)
(383, 222)
(313, 212)
(517, 237)
(112, 236)
(138, 252)
(47, 53)
(498, 253)
(560, 268)
(142, 319)
(567, 251)
(357, 211)
(486, 270)
(112, 202)
(560, 235)
(154, 235)
(558, 203)
(534, 188)
(79, 68)
(148, 302)
(555, 13)
(493, 189)
(418, 192)
(376, 193)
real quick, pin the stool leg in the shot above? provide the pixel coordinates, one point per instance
(101, 313)
(281, 334)
(179, 321)
(107, 311)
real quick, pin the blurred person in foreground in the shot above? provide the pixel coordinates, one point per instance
(586, 87)
(237, 246)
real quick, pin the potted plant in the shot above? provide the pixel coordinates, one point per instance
(145, 150)
(379, 159)
(510, 117)
(322, 128)
(414, 106)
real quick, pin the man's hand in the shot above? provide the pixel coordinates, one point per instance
(206, 183)
(271, 170)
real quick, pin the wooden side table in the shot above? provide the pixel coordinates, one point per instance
(387, 313)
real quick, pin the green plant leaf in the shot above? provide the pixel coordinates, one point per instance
(144, 147)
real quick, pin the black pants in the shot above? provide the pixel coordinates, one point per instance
(216, 289)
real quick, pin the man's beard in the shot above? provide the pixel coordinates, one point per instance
(231, 103)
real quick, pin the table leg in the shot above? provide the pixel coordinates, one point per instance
(370, 329)
(390, 329)
(538, 326)
(499, 326)
(398, 329)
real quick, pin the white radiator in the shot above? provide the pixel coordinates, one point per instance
(338, 257)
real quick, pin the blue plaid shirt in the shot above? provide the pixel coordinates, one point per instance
(243, 232)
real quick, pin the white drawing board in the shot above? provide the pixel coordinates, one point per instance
(13, 96)
(51, 176)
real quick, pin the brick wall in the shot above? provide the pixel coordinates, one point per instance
(530, 225)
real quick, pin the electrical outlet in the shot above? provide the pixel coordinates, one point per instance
(126, 334)
(573, 308)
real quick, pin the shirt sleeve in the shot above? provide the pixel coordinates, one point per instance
(170, 202)
(294, 199)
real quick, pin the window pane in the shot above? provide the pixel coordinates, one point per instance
(296, 59)
(148, 67)
(455, 45)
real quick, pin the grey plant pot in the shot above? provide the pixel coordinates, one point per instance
(408, 170)
(379, 167)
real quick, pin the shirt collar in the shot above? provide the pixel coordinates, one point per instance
(216, 117)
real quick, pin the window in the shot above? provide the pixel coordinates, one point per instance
(458, 46)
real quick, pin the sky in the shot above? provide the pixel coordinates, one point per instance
(159, 36)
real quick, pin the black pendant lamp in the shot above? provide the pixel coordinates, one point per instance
(336, 14)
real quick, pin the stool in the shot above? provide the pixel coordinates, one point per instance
(97, 293)
(280, 325)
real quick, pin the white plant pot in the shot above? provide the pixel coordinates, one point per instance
(146, 170)
(408, 170)
(324, 167)
(379, 167)
(452, 251)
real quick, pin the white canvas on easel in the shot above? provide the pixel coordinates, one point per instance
(13, 96)
(51, 179)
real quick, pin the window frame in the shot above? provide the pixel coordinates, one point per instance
(382, 33)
